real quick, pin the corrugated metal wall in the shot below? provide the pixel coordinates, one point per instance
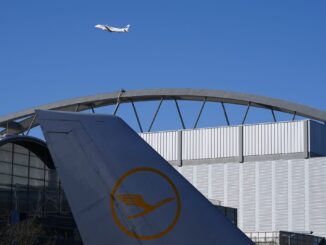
(317, 196)
(273, 138)
(210, 143)
(247, 215)
(165, 143)
(225, 142)
(269, 195)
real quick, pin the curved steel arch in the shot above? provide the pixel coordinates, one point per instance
(35, 145)
(24, 120)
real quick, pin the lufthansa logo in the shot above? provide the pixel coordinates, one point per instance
(137, 209)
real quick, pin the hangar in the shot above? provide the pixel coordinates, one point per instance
(273, 173)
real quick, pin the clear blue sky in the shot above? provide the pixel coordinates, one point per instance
(50, 50)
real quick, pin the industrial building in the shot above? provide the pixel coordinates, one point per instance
(273, 173)
(274, 182)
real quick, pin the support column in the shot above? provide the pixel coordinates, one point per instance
(180, 148)
(241, 143)
(306, 139)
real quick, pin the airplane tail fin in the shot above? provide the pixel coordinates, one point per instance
(127, 27)
(121, 191)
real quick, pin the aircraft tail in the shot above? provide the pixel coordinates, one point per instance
(121, 191)
(127, 28)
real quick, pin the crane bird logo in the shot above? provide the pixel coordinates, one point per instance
(138, 200)
(165, 211)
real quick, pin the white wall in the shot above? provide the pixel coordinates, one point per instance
(225, 142)
(269, 195)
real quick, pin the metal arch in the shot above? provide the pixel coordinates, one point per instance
(21, 121)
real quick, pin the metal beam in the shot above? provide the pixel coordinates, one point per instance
(306, 139)
(169, 94)
(77, 108)
(246, 113)
(136, 114)
(180, 150)
(179, 113)
(225, 114)
(155, 115)
(240, 133)
(274, 118)
(116, 108)
(11, 125)
(31, 124)
(118, 101)
(200, 112)
(92, 107)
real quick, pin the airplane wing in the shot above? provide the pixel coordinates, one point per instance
(121, 191)
(108, 28)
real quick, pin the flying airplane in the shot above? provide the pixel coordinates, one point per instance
(112, 29)
(121, 191)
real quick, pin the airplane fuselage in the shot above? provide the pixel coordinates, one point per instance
(112, 29)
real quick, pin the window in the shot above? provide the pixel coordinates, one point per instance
(19, 181)
(21, 159)
(5, 180)
(5, 156)
(36, 173)
(5, 168)
(36, 162)
(21, 171)
(27, 184)
(33, 183)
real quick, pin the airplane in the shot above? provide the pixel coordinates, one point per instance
(121, 191)
(112, 29)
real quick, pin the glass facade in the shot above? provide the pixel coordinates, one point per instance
(27, 185)
(285, 238)
(230, 213)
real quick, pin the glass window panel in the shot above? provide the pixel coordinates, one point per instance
(19, 182)
(36, 199)
(5, 194)
(5, 180)
(20, 171)
(52, 199)
(6, 147)
(36, 162)
(51, 175)
(5, 168)
(36, 173)
(20, 149)
(5, 156)
(36, 183)
(52, 185)
(21, 159)
(19, 199)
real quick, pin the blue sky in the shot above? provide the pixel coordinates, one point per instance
(50, 50)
